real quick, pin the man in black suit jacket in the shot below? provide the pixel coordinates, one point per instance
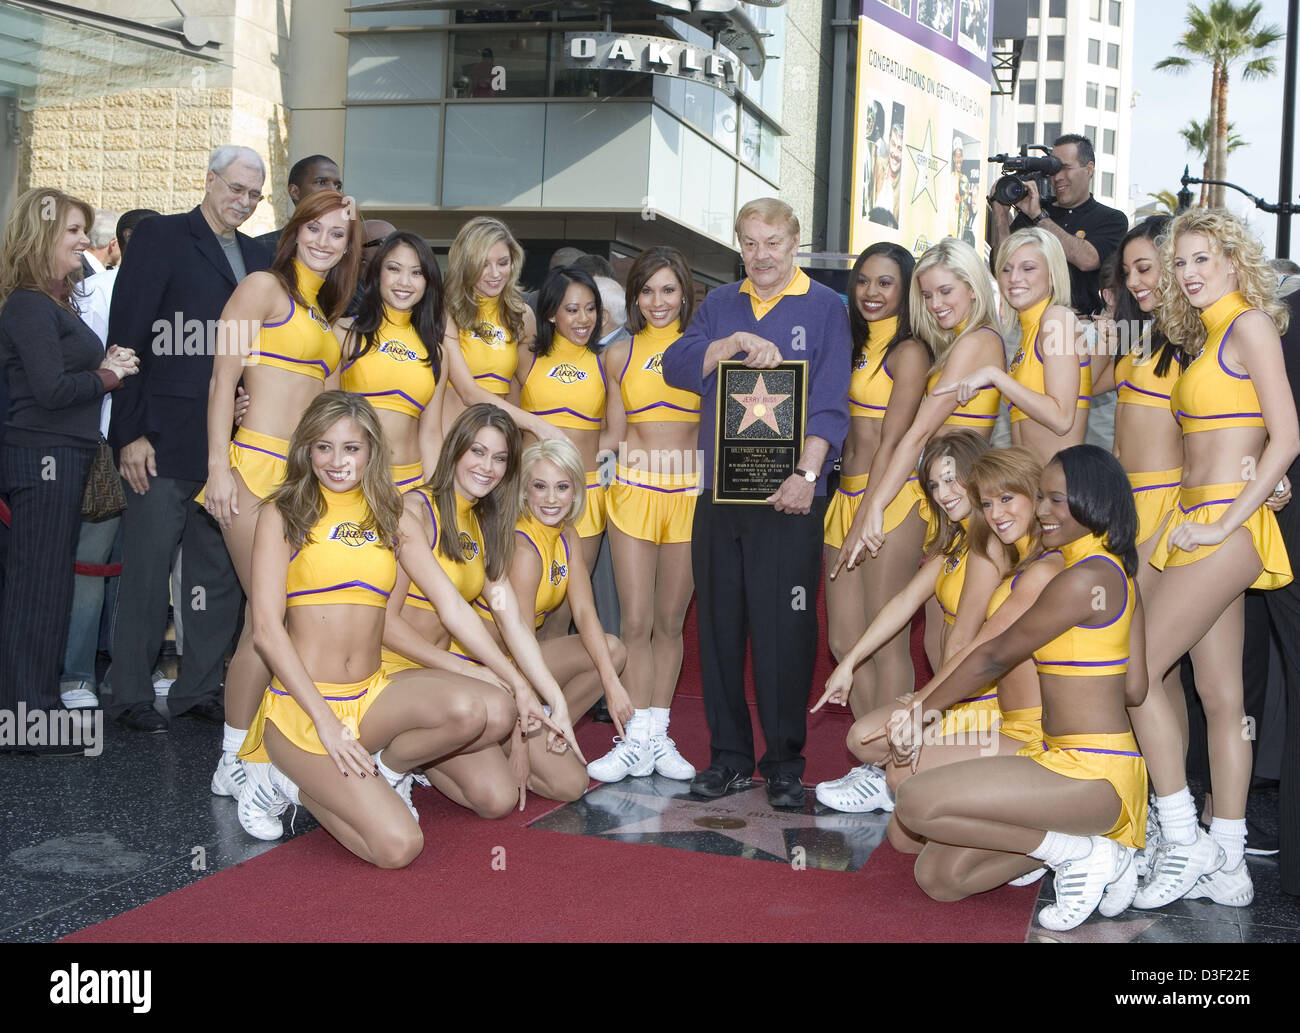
(177, 278)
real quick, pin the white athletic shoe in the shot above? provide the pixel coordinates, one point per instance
(1175, 868)
(668, 762)
(1228, 886)
(1029, 878)
(862, 790)
(162, 685)
(1119, 894)
(261, 803)
(633, 757)
(77, 697)
(403, 789)
(230, 777)
(1153, 841)
(1080, 885)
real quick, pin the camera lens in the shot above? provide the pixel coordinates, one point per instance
(1008, 190)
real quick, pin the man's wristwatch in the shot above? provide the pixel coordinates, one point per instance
(807, 475)
(1036, 219)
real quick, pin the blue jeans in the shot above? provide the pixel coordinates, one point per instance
(94, 545)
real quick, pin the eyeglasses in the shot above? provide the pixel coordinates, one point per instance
(255, 196)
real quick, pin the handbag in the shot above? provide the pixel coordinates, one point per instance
(104, 496)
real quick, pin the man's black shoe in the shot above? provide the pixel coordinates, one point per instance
(143, 719)
(210, 711)
(784, 791)
(718, 781)
(1260, 843)
(600, 712)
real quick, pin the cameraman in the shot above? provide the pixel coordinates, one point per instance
(1088, 230)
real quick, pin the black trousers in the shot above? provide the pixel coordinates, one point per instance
(756, 577)
(152, 526)
(46, 486)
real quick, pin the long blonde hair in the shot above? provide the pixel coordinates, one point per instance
(1058, 270)
(1015, 470)
(1256, 280)
(33, 231)
(465, 263)
(301, 499)
(960, 259)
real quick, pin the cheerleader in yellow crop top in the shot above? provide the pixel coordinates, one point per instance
(994, 819)
(323, 573)
(1237, 416)
(1049, 383)
(284, 366)
(562, 381)
(949, 293)
(394, 352)
(461, 522)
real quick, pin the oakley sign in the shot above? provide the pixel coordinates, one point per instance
(624, 52)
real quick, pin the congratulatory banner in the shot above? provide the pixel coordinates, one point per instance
(921, 122)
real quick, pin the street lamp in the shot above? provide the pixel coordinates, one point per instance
(1185, 195)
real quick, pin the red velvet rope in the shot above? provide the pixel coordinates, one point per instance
(85, 569)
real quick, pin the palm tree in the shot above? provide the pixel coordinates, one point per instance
(1221, 36)
(1165, 201)
(1199, 139)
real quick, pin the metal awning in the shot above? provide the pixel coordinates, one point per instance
(51, 53)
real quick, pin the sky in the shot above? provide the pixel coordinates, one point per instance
(1165, 102)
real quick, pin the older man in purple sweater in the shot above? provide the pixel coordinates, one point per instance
(758, 567)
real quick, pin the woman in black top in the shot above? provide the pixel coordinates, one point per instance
(56, 373)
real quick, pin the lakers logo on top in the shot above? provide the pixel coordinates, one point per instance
(352, 534)
(490, 334)
(654, 364)
(951, 564)
(559, 571)
(468, 547)
(317, 318)
(398, 352)
(860, 363)
(1018, 359)
(567, 373)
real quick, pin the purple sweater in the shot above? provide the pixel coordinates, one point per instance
(812, 326)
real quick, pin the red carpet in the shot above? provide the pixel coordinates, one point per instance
(561, 887)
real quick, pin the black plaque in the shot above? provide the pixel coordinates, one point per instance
(761, 414)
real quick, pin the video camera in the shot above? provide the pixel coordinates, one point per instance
(1019, 169)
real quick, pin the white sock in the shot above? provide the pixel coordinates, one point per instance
(1231, 835)
(658, 721)
(288, 788)
(392, 776)
(1177, 816)
(232, 738)
(1058, 847)
(638, 728)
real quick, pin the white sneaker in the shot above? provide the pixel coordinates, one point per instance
(230, 777)
(1148, 852)
(1175, 869)
(863, 789)
(162, 684)
(1029, 878)
(668, 762)
(261, 803)
(78, 698)
(1228, 886)
(1119, 894)
(1080, 885)
(628, 757)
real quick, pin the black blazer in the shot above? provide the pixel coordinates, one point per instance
(173, 284)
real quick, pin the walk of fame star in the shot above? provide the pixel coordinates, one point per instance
(760, 406)
(928, 166)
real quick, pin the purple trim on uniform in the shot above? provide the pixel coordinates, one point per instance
(292, 308)
(409, 480)
(1090, 749)
(1154, 487)
(850, 494)
(631, 347)
(492, 376)
(650, 487)
(300, 362)
(1141, 390)
(1218, 355)
(1210, 502)
(600, 365)
(946, 611)
(565, 543)
(395, 391)
(338, 587)
(479, 602)
(529, 540)
(565, 408)
(476, 663)
(1083, 663)
(997, 332)
(979, 699)
(331, 699)
(661, 405)
(863, 405)
(1037, 354)
(434, 517)
(957, 414)
(1217, 415)
(1098, 627)
(254, 448)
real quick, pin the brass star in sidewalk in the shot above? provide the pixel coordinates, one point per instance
(760, 405)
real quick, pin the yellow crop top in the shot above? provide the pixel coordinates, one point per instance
(1008, 584)
(1137, 383)
(567, 387)
(981, 410)
(302, 342)
(952, 576)
(646, 397)
(871, 383)
(553, 551)
(1090, 649)
(396, 374)
(341, 562)
(468, 577)
(1209, 396)
(1027, 366)
(489, 348)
